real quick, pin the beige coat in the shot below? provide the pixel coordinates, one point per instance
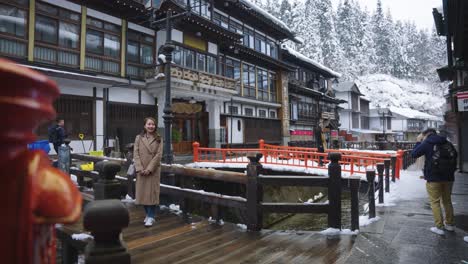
(147, 155)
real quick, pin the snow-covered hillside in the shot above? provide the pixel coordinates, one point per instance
(387, 91)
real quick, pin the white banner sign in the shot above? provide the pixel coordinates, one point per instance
(462, 98)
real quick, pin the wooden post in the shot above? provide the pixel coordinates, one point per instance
(380, 170)
(354, 184)
(107, 186)
(106, 219)
(387, 175)
(261, 146)
(370, 175)
(394, 168)
(334, 190)
(254, 193)
(195, 146)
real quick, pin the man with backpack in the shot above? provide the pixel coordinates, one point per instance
(439, 169)
(57, 134)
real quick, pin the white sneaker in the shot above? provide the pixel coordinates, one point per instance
(151, 221)
(437, 230)
(450, 228)
(146, 219)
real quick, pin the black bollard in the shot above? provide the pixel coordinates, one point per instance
(393, 164)
(107, 187)
(354, 184)
(370, 175)
(380, 171)
(254, 193)
(387, 175)
(106, 219)
(334, 191)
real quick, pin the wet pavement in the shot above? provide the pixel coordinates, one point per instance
(403, 235)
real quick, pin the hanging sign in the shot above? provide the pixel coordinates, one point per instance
(302, 133)
(334, 134)
(462, 98)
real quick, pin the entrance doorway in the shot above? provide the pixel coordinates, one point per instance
(190, 124)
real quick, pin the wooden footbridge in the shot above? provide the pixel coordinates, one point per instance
(172, 240)
(119, 232)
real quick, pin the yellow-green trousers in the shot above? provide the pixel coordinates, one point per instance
(441, 192)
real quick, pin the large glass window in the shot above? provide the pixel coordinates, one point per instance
(103, 46)
(249, 38)
(12, 20)
(262, 84)
(46, 30)
(272, 83)
(220, 20)
(211, 64)
(201, 7)
(139, 52)
(201, 61)
(248, 80)
(57, 35)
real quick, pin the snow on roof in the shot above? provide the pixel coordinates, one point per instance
(345, 87)
(309, 60)
(411, 113)
(264, 13)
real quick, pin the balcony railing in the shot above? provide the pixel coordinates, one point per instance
(178, 72)
(13, 47)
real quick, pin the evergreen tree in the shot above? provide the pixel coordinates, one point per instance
(330, 47)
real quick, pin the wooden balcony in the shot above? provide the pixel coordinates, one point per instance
(197, 77)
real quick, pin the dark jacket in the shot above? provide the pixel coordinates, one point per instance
(426, 148)
(59, 136)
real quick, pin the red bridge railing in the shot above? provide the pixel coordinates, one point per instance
(354, 162)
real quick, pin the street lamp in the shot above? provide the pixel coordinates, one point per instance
(383, 112)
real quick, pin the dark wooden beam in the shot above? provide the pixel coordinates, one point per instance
(295, 208)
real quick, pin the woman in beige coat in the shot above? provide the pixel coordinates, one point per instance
(147, 155)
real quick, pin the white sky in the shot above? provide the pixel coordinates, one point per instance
(419, 11)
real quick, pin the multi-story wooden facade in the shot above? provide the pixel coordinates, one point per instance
(312, 101)
(452, 22)
(229, 83)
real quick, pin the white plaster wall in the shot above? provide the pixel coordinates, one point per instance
(146, 98)
(123, 95)
(343, 96)
(345, 120)
(237, 135)
(399, 124)
(99, 125)
(80, 91)
(374, 123)
(77, 146)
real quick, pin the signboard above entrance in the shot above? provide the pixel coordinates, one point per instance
(462, 98)
(302, 133)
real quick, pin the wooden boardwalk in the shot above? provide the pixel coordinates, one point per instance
(171, 240)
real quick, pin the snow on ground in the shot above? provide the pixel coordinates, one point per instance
(128, 199)
(364, 220)
(82, 236)
(466, 239)
(242, 226)
(335, 232)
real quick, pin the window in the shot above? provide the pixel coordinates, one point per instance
(248, 80)
(103, 46)
(272, 83)
(201, 60)
(262, 85)
(56, 27)
(189, 59)
(272, 114)
(262, 113)
(233, 110)
(221, 20)
(249, 38)
(235, 27)
(211, 64)
(13, 31)
(201, 7)
(139, 52)
(12, 20)
(248, 111)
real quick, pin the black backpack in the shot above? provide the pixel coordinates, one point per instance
(444, 159)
